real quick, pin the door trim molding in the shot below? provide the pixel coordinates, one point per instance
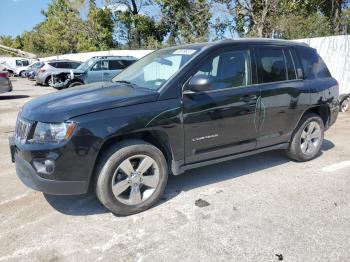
(177, 168)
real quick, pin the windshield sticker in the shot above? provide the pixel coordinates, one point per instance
(184, 51)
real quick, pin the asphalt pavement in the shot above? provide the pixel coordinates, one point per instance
(259, 208)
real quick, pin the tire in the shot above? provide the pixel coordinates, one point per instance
(75, 84)
(344, 105)
(307, 141)
(47, 81)
(109, 172)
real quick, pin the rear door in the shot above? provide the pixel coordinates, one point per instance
(283, 95)
(220, 122)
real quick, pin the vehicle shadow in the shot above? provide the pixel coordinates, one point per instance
(77, 205)
(88, 204)
(13, 97)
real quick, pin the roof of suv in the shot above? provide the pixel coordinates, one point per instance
(253, 41)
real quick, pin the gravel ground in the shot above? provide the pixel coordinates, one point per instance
(259, 208)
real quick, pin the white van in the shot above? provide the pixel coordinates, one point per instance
(16, 65)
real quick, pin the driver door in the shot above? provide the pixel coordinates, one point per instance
(98, 72)
(221, 121)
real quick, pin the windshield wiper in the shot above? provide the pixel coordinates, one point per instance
(125, 82)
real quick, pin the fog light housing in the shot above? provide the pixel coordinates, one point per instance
(44, 167)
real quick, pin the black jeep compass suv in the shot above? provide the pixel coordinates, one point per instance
(177, 108)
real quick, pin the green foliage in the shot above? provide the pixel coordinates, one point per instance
(66, 28)
(186, 20)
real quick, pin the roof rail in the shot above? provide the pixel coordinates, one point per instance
(113, 56)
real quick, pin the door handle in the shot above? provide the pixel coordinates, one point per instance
(248, 98)
(106, 74)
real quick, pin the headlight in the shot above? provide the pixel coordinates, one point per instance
(46, 132)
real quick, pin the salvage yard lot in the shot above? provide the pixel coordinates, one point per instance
(259, 208)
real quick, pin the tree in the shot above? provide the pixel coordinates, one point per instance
(135, 28)
(6, 40)
(186, 20)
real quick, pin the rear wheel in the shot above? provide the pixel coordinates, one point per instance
(131, 177)
(48, 81)
(307, 139)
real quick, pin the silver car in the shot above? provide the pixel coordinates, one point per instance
(5, 82)
(51, 67)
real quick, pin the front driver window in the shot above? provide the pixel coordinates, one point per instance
(100, 65)
(228, 70)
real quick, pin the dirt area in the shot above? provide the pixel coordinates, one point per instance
(259, 208)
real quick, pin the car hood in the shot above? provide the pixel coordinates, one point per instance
(80, 100)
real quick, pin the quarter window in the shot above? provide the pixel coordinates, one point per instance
(312, 64)
(272, 65)
(227, 70)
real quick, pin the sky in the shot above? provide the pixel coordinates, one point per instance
(17, 16)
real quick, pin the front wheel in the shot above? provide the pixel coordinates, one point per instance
(131, 177)
(307, 138)
(75, 84)
(344, 105)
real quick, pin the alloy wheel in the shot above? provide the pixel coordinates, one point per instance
(310, 138)
(135, 179)
(345, 105)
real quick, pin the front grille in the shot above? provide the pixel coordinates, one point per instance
(22, 130)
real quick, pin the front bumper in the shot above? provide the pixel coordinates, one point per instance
(28, 175)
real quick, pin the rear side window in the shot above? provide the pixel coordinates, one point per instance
(312, 64)
(18, 62)
(272, 65)
(128, 62)
(63, 65)
(74, 65)
(116, 65)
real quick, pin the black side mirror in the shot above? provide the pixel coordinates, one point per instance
(200, 83)
(300, 74)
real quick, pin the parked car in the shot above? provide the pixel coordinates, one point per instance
(175, 109)
(5, 82)
(5, 67)
(51, 67)
(96, 69)
(344, 103)
(32, 70)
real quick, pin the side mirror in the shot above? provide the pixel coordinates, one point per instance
(300, 74)
(200, 83)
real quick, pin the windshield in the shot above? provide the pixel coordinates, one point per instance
(84, 66)
(155, 69)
